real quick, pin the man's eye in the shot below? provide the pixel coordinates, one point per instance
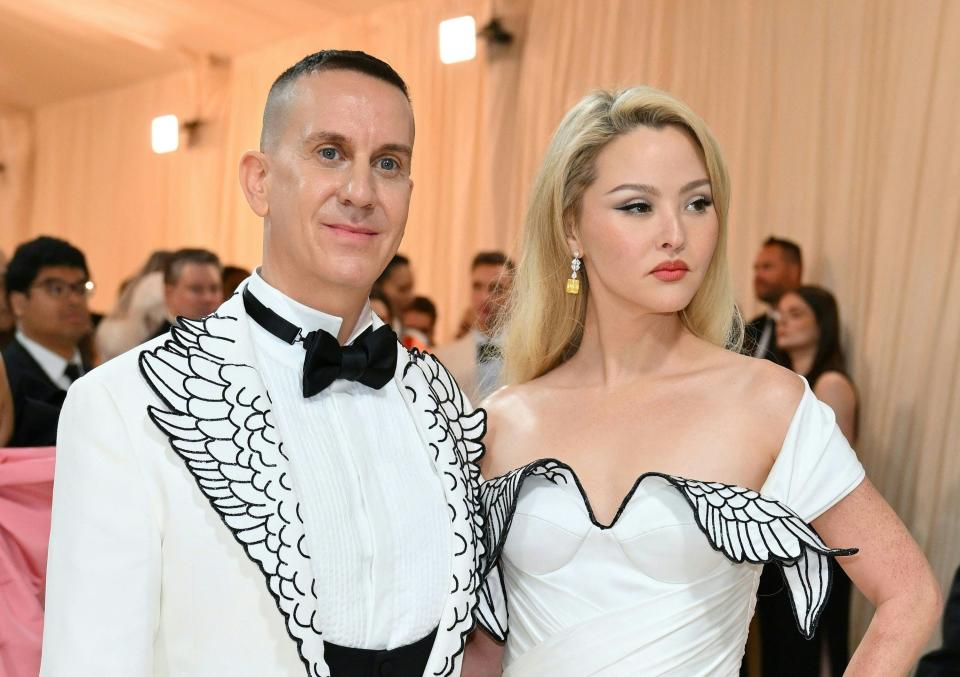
(388, 164)
(328, 153)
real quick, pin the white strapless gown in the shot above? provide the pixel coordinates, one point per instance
(668, 588)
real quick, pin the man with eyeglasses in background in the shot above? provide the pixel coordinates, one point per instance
(47, 286)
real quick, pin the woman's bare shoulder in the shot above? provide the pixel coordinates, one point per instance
(763, 395)
(511, 419)
(834, 385)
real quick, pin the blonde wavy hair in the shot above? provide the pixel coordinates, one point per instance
(544, 324)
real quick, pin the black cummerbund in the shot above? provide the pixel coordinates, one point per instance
(404, 661)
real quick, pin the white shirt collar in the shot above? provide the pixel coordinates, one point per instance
(52, 364)
(307, 318)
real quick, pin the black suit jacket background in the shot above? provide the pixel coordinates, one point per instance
(36, 399)
(752, 331)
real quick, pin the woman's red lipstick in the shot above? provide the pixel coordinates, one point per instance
(670, 271)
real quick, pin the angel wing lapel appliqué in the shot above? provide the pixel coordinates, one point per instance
(219, 421)
(738, 522)
(454, 437)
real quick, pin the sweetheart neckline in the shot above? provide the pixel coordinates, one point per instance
(541, 462)
(807, 392)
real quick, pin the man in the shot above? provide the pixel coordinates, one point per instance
(279, 488)
(192, 286)
(475, 359)
(47, 285)
(778, 269)
(420, 317)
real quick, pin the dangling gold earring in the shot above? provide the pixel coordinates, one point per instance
(573, 284)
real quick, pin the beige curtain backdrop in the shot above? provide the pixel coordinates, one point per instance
(838, 120)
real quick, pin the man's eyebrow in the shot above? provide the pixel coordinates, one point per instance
(325, 137)
(398, 148)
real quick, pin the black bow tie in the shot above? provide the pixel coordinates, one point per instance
(371, 359)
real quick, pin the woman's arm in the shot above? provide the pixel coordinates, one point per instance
(483, 656)
(891, 571)
(835, 390)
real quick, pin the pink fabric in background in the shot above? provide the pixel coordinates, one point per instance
(26, 490)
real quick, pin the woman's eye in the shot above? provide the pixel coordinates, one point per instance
(700, 204)
(637, 208)
(329, 153)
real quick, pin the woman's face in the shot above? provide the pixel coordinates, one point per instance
(796, 323)
(647, 225)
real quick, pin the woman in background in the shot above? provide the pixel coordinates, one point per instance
(808, 329)
(138, 313)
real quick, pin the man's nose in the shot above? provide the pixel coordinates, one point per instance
(357, 188)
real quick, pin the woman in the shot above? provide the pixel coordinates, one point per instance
(139, 312)
(808, 331)
(626, 389)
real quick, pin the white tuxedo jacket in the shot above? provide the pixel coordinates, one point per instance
(177, 544)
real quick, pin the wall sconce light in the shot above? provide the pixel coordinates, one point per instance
(165, 134)
(495, 34)
(458, 39)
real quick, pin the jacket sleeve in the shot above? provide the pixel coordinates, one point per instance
(103, 570)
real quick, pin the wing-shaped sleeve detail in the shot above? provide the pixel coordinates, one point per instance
(453, 423)
(218, 419)
(750, 528)
(499, 498)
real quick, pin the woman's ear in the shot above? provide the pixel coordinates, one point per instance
(253, 181)
(574, 246)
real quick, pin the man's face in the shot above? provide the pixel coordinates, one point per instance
(488, 287)
(196, 293)
(54, 311)
(773, 274)
(337, 182)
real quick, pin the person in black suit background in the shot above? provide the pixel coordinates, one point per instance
(777, 269)
(47, 284)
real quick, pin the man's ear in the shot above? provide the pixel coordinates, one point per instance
(18, 303)
(253, 181)
(167, 294)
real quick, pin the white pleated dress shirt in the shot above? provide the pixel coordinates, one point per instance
(375, 516)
